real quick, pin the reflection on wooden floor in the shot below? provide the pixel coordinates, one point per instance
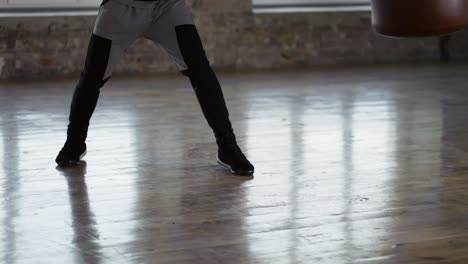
(365, 165)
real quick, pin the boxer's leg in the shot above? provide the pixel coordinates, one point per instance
(174, 31)
(115, 29)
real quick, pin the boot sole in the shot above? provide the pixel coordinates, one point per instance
(237, 173)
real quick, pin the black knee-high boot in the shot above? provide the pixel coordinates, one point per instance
(87, 90)
(84, 100)
(211, 99)
(204, 80)
(82, 108)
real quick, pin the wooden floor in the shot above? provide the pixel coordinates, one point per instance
(363, 165)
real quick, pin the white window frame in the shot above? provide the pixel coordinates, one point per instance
(309, 2)
(48, 4)
(307, 6)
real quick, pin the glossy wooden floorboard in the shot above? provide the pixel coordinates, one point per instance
(353, 165)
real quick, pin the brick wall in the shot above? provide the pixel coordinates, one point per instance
(235, 39)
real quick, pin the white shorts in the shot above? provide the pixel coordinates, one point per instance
(123, 21)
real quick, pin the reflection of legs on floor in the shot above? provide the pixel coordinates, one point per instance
(83, 219)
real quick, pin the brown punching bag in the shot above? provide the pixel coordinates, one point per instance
(419, 18)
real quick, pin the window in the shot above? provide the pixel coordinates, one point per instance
(28, 4)
(286, 6)
(309, 2)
